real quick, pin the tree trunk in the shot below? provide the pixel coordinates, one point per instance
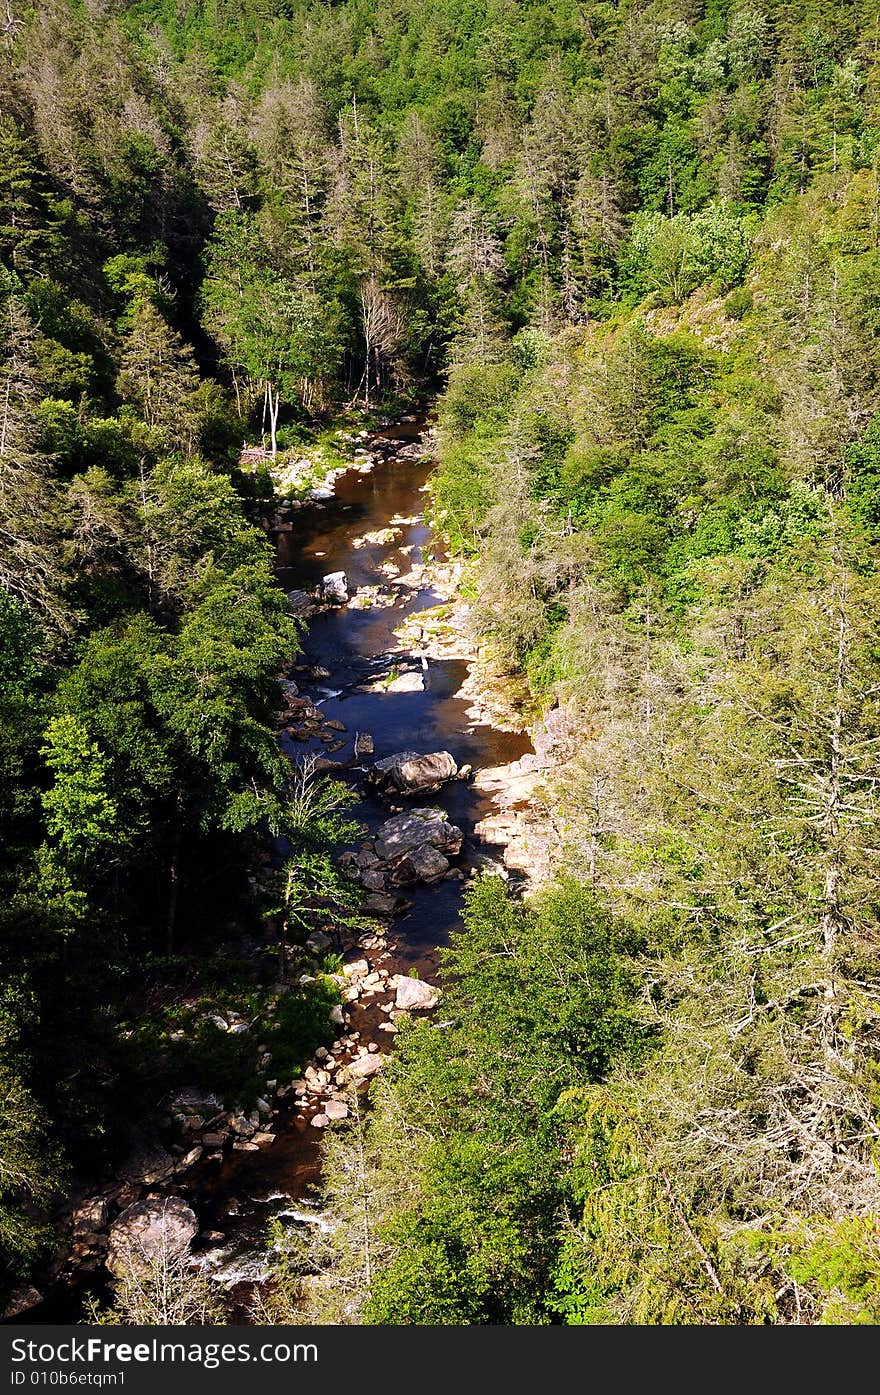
(273, 404)
(148, 537)
(282, 950)
(173, 888)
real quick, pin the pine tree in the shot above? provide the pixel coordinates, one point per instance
(158, 375)
(28, 230)
(29, 567)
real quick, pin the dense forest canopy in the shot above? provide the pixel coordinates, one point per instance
(636, 249)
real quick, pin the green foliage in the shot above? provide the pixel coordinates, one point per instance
(30, 1169)
(673, 256)
(863, 487)
(165, 1051)
(222, 223)
(477, 1243)
(844, 1264)
(80, 814)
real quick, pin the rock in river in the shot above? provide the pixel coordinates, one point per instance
(379, 904)
(406, 683)
(423, 864)
(364, 744)
(410, 773)
(149, 1230)
(334, 588)
(365, 1067)
(406, 832)
(382, 773)
(414, 993)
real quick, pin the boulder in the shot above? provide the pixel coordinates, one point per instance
(424, 864)
(318, 941)
(410, 773)
(378, 904)
(365, 1067)
(91, 1216)
(148, 1231)
(336, 1109)
(364, 745)
(321, 765)
(146, 1164)
(414, 993)
(334, 588)
(406, 683)
(356, 968)
(425, 772)
(382, 773)
(406, 832)
(21, 1300)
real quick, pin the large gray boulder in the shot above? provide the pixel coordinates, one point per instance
(405, 832)
(425, 772)
(410, 773)
(413, 993)
(423, 864)
(149, 1232)
(383, 771)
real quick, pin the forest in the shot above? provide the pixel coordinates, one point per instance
(631, 251)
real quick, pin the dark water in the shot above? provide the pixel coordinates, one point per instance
(239, 1196)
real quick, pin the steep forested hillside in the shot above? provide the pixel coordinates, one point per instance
(636, 249)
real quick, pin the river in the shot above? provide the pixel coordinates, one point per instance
(355, 647)
(372, 528)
